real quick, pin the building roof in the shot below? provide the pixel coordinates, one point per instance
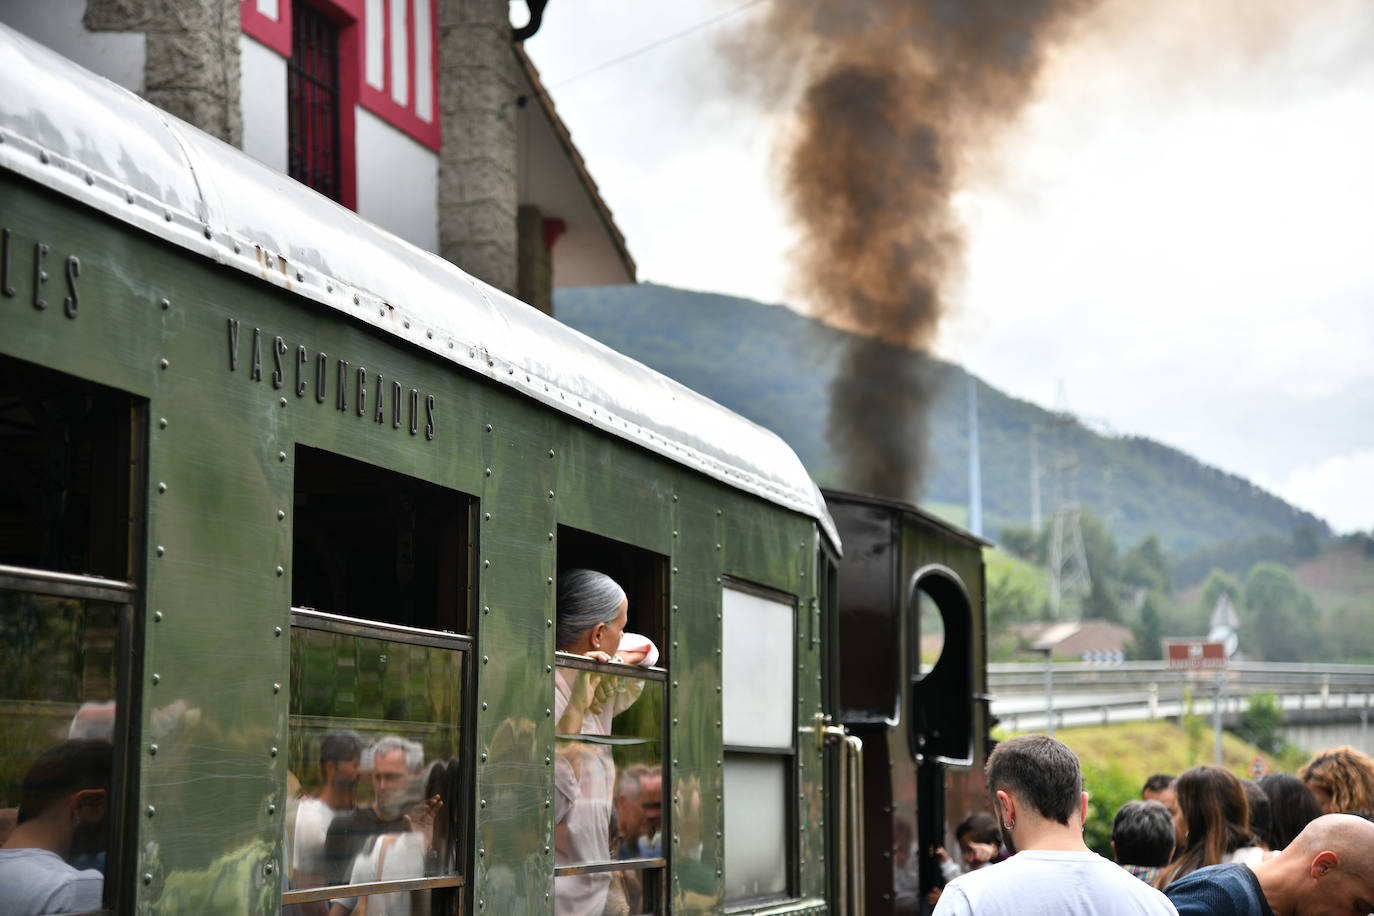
(554, 177)
(1077, 637)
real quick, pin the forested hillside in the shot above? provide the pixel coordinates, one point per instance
(774, 366)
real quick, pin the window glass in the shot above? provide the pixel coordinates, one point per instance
(374, 763)
(758, 684)
(755, 825)
(59, 661)
(608, 787)
(758, 670)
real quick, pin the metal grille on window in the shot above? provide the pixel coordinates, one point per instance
(313, 101)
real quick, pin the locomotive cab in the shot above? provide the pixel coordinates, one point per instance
(912, 686)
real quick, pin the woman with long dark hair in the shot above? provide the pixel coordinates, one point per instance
(1215, 820)
(1292, 806)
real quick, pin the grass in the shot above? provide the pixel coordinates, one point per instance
(1141, 749)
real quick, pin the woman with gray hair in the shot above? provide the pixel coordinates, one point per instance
(592, 611)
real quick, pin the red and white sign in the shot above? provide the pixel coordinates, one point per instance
(1195, 655)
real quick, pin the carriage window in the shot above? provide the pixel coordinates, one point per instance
(377, 815)
(377, 545)
(609, 707)
(758, 682)
(67, 519)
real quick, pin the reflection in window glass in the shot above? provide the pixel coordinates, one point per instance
(608, 788)
(58, 674)
(374, 751)
(755, 825)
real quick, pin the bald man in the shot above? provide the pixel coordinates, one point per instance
(1328, 868)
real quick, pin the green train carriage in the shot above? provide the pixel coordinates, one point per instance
(270, 473)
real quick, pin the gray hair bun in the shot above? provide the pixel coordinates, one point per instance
(585, 598)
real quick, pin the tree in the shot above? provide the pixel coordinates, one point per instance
(1219, 583)
(1148, 630)
(1279, 620)
(1146, 566)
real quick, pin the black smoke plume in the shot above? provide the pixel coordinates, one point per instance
(892, 102)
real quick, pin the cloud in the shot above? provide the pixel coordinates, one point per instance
(1340, 489)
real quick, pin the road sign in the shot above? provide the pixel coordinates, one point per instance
(1195, 654)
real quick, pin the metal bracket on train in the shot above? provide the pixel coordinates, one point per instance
(826, 734)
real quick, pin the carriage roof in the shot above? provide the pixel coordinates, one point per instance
(89, 139)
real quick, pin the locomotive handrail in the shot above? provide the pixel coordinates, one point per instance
(854, 758)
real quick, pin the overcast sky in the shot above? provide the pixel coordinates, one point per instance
(1179, 231)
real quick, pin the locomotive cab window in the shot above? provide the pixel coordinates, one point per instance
(381, 589)
(71, 452)
(609, 707)
(758, 683)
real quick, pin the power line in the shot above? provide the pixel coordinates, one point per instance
(667, 39)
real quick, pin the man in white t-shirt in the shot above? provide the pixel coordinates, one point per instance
(1037, 789)
(340, 755)
(62, 804)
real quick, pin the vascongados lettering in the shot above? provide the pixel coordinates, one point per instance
(308, 372)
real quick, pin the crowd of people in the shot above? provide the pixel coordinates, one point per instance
(1204, 842)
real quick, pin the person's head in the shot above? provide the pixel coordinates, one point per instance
(1261, 821)
(592, 612)
(69, 786)
(1143, 834)
(1157, 786)
(1214, 815)
(340, 756)
(1041, 776)
(1292, 806)
(979, 827)
(629, 808)
(394, 761)
(1341, 778)
(1327, 869)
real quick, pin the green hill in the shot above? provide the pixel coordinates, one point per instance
(774, 366)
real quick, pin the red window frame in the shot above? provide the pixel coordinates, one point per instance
(350, 15)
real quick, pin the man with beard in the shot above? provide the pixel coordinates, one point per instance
(395, 761)
(340, 753)
(62, 806)
(1037, 789)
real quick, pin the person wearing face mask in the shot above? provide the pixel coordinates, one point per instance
(62, 808)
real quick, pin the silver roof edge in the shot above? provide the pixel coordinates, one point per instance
(88, 139)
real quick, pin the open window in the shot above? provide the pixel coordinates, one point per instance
(759, 686)
(381, 588)
(609, 777)
(70, 465)
(942, 682)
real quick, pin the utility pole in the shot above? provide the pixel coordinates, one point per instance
(1068, 561)
(975, 473)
